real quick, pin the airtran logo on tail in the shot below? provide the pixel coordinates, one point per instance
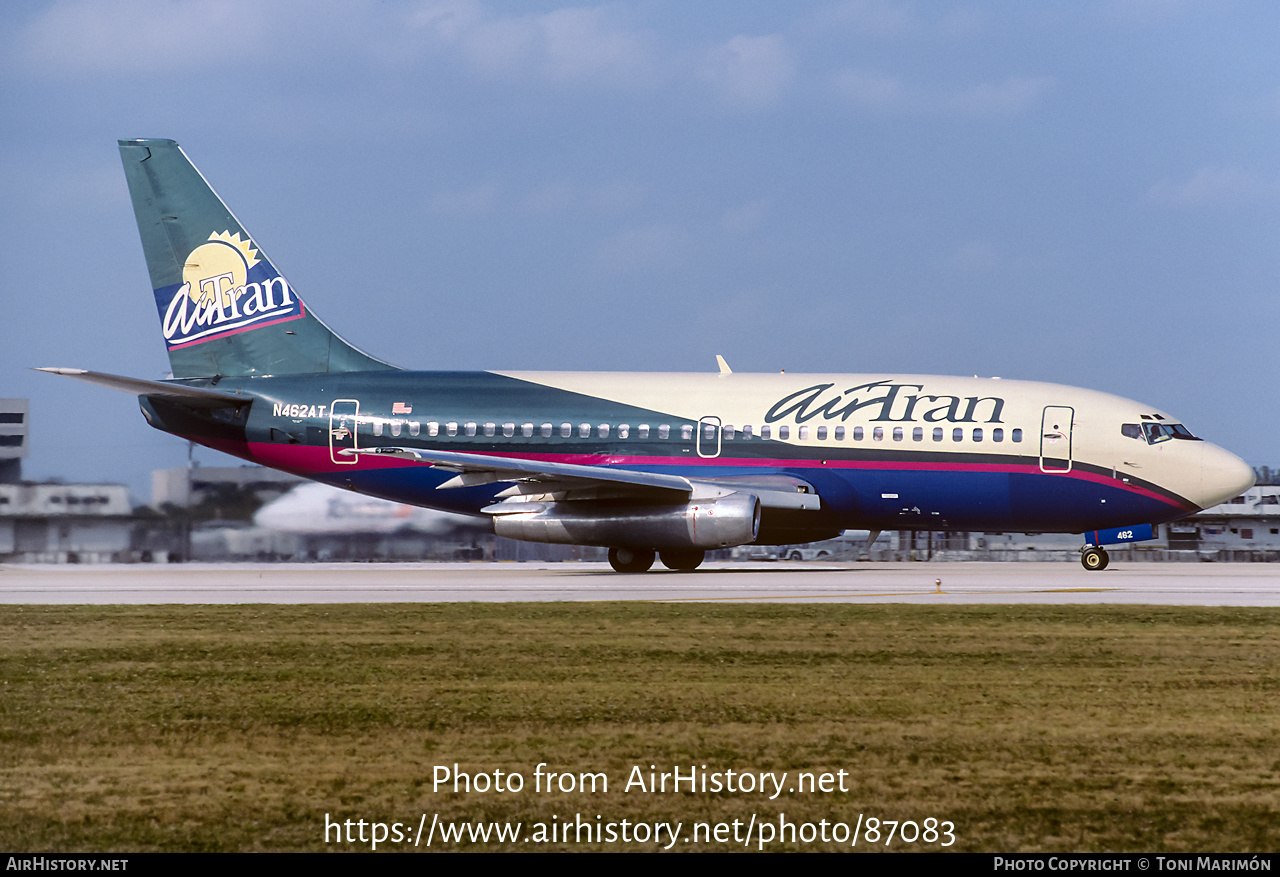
(226, 289)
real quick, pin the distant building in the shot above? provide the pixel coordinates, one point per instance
(56, 523)
(1246, 523)
(14, 438)
(191, 486)
(61, 523)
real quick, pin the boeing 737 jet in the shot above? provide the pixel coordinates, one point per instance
(665, 465)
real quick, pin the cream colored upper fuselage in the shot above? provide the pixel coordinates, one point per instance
(1203, 473)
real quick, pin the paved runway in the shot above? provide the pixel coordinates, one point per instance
(1168, 584)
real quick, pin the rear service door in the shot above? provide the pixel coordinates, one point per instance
(1055, 439)
(344, 416)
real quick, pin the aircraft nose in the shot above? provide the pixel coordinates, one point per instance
(1223, 475)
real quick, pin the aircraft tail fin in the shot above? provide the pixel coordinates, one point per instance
(224, 308)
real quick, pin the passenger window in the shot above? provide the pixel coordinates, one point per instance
(708, 431)
(1017, 435)
(784, 432)
(642, 431)
(977, 434)
(957, 434)
(604, 430)
(451, 427)
(822, 433)
(897, 433)
(414, 427)
(546, 430)
(728, 432)
(508, 429)
(839, 433)
(566, 430)
(937, 433)
(766, 431)
(490, 428)
(526, 430)
(584, 430)
(857, 433)
(1131, 430)
(470, 427)
(664, 431)
(396, 426)
(804, 433)
(624, 430)
(877, 434)
(997, 434)
(746, 432)
(686, 432)
(377, 426)
(917, 434)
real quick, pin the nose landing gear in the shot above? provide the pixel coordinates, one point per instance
(1094, 558)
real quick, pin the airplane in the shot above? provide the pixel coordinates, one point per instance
(647, 465)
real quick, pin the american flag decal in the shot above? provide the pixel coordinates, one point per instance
(401, 408)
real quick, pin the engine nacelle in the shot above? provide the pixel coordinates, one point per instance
(714, 523)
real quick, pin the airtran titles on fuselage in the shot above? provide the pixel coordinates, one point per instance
(226, 289)
(889, 402)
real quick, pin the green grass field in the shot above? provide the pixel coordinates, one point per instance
(1031, 728)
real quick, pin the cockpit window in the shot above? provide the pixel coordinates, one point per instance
(1154, 433)
(1162, 432)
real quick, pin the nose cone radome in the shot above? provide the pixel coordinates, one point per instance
(1223, 475)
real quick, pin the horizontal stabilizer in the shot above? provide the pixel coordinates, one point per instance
(192, 397)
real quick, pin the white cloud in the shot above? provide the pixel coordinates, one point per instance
(749, 73)
(1214, 185)
(582, 43)
(448, 19)
(84, 36)
(565, 45)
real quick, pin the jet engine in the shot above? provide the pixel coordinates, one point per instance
(713, 523)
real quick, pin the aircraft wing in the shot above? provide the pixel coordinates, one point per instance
(578, 481)
(534, 476)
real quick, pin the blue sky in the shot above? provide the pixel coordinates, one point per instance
(1084, 192)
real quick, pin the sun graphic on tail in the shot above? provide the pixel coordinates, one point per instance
(220, 267)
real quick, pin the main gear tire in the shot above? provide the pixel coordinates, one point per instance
(631, 559)
(682, 559)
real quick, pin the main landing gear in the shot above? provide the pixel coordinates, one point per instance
(1094, 558)
(631, 559)
(641, 559)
